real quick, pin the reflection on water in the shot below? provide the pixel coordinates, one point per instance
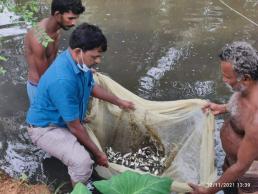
(19, 155)
(160, 50)
(199, 88)
(12, 50)
(213, 17)
(151, 80)
(11, 31)
(9, 25)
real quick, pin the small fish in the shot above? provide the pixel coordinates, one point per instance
(144, 159)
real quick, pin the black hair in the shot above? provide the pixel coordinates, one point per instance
(87, 37)
(243, 58)
(67, 5)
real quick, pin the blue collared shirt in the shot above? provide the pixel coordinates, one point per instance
(63, 94)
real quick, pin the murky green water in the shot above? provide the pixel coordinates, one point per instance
(158, 49)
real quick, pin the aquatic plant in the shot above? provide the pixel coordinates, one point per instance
(80, 189)
(129, 183)
(134, 183)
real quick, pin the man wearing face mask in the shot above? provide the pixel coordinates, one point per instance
(239, 133)
(64, 15)
(55, 118)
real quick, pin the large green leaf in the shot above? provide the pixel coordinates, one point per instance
(80, 189)
(133, 183)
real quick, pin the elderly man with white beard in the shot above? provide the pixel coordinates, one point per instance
(239, 133)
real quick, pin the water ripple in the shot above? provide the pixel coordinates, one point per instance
(166, 63)
(9, 25)
(18, 155)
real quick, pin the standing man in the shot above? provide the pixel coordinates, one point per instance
(239, 134)
(64, 14)
(55, 118)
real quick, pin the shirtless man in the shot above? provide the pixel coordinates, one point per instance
(64, 15)
(239, 134)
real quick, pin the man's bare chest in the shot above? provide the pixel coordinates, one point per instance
(51, 50)
(240, 110)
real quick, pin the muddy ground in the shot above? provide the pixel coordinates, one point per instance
(9, 185)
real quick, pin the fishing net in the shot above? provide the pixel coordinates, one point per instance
(178, 129)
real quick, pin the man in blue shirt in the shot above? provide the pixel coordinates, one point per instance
(56, 115)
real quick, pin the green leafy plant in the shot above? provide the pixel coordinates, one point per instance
(134, 183)
(3, 4)
(28, 13)
(26, 10)
(80, 189)
(129, 183)
(42, 36)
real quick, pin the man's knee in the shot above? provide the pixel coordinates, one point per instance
(80, 169)
(83, 162)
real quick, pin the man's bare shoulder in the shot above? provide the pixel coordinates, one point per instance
(32, 42)
(33, 47)
(32, 36)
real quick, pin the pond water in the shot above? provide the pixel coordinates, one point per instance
(158, 49)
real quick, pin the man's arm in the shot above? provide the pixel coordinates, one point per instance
(216, 109)
(102, 94)
(247, 153)
(41, 62)
(80, 132)
(64, 95)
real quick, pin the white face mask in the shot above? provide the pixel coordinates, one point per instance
(82, 66)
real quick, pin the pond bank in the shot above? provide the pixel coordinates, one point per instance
(13, 186)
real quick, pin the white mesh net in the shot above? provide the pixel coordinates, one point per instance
(178, 128)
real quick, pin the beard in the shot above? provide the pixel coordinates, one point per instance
(239, 88)
(229, 87)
